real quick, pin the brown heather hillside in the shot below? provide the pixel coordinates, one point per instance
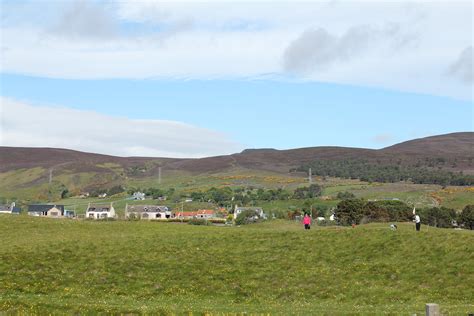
(455, 150)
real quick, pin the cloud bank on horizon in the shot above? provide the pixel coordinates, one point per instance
(26, 125)
(421, 46)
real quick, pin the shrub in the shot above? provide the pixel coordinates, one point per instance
(199, 222)
(467, 217)
(438, 217)
(345, 195)
(350, 211)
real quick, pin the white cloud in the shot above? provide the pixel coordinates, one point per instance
(26, 125)
(393, 45)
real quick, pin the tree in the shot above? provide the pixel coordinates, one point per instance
(350, 211)
(247, 217)
(345, 195)
(467, 216)
(375, 213)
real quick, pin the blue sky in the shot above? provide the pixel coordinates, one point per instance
(191, 80)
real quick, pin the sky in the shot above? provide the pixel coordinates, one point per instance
(197, 79)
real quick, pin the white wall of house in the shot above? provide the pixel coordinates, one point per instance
(101, 214)
(54, 212)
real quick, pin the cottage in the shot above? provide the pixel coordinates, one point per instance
(147, 212)
(10, 209)
(204, 214)
(46, 210)
(258, 210)
(96, 211)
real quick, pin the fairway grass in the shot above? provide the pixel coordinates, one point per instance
(72, 266)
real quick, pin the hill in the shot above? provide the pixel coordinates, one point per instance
(24, 170)
(270, 268)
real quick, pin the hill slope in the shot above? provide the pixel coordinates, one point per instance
(271, 268)
(23, 168)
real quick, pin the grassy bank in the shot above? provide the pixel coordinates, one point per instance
(275, 267)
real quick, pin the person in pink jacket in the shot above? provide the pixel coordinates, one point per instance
(307, 221)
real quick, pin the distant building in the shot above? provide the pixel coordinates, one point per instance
(147, 212)
(69, 213)
(258, 210)
(139, 196)
(10, 209)
(204, 214)
(46, 210)
(188, 200)
(97, 211)
(102, 196)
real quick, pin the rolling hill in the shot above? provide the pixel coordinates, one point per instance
(23, 168)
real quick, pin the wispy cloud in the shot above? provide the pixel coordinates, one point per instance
(23, 124)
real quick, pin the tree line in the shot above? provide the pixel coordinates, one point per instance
(387, 173)
(358, 211)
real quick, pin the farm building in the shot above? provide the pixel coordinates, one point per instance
(46, 210)
(10, 209)
(205, 214)
(147, 212)
(258, 210)
(97, 211)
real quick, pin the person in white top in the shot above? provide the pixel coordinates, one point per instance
(417, 222)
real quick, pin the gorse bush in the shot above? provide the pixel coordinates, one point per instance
(358, 211)
(467, 217)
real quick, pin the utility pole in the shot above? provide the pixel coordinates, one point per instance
(50, 176)
(159, 175)
(310, 176)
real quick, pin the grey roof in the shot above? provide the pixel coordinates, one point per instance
(44, 207)
(99, 208)
(250, 208)
(147, 208)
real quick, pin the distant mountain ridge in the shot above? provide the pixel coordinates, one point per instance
(455, 147)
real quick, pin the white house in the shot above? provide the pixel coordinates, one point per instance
(9, 209)
(97, 211)
(258, 210)
(139, 196)
(147, 212)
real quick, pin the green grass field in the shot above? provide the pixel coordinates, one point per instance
(52, 266)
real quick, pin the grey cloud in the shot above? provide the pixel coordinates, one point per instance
(83, 19)
(462, 69)
(317, 49)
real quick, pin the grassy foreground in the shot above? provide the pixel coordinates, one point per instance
(66, 266)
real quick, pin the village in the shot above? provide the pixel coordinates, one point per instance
(148, 212)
